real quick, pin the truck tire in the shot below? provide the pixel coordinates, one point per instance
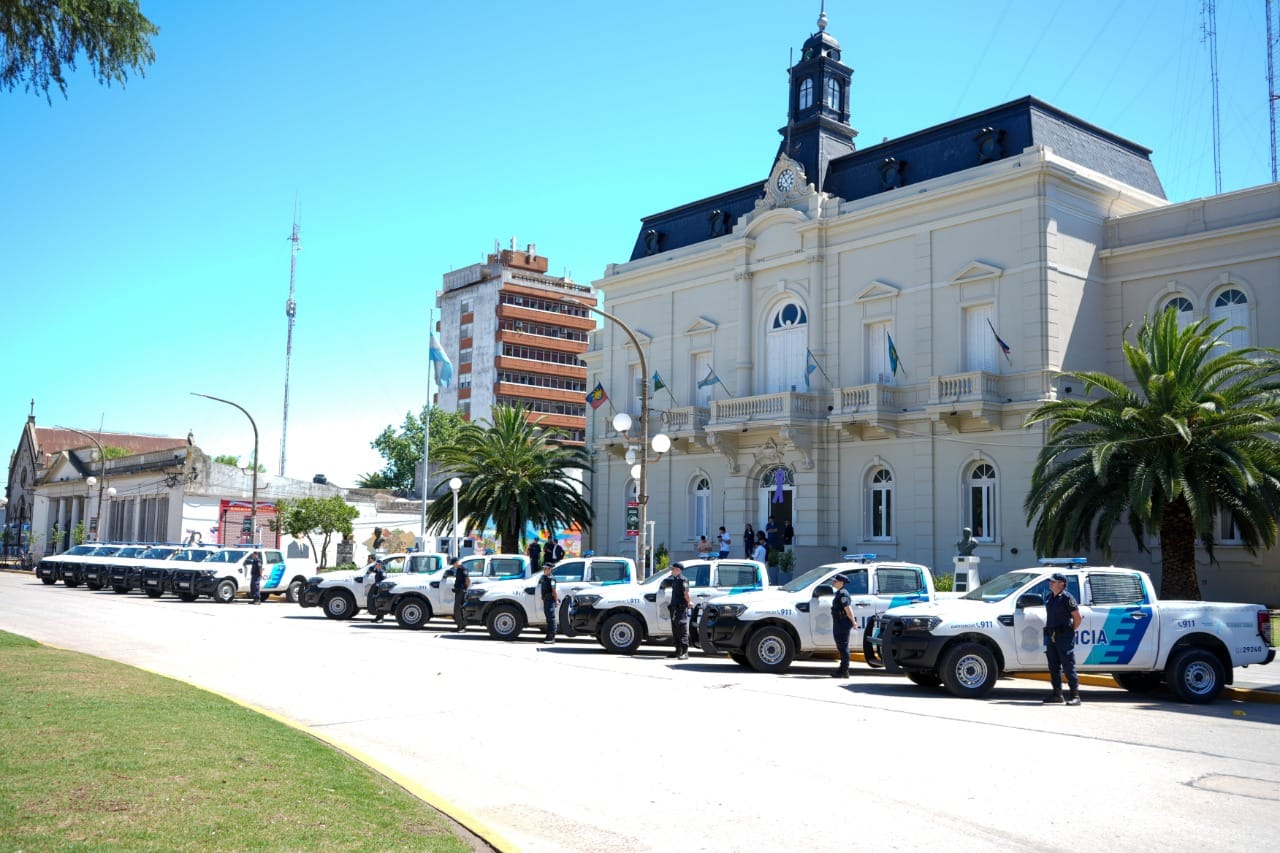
(869, 656)
(48, 581)
(154, 593)
(1139, 682)
(338, 605)
(71, 582)
(565, 624)
(93, 585)
(770, 649)
(1196, 676)
(739, 658)
(187, 596)
(120, 590)
(294, 593)
(924, 679)
(969, 670)
(412, 613)
(620, 634)
(225, 591)
(504, 622)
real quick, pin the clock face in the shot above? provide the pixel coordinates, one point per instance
(786, 180)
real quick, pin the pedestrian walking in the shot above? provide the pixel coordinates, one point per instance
(841, 623)
(1061, 619)
(255, 577)
(726, 542)
(679, 610)
(378, 573)
(461, 583)
(550, 598)
(748, 541)
(534, 553)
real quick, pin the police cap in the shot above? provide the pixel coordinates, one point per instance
(843, 578)
(1059, 577)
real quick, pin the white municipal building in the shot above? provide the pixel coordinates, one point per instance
(1020, 225)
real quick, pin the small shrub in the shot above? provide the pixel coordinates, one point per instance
(944, 583)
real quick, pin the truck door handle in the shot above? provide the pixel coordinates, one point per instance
(1137, 614)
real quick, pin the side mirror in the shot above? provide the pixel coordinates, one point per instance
(824, 589)
(1029, 599)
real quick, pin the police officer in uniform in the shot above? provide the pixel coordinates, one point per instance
(841, 623)
(1061, 619)
(255, 576)
(379, 574)
(679, 610)
(550, 598)
(534, 553)
(461, 583)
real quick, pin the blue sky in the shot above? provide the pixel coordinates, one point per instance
(143, 231)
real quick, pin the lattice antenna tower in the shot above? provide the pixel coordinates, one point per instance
(1273, 45)
(290, 311)
(1209, 29)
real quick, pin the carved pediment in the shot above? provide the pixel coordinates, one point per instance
(878, 290)
(976, 271)
(701, 324)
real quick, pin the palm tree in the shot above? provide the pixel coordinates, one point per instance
(1195, 437)
(513, 472)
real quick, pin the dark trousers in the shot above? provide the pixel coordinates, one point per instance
(841, 630)
(680, 630)
(458, 598)
(549, 611)
(1060, 649)
(255, 589)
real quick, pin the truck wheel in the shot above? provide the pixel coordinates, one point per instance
(1139, 682)
(969, 670)
(924, 679)
(566, 624)
(71, 582)
(770, 649)
(620, 634)
(504, 622)
(120, 590)
(412, 614)
(48, 581)
(225, 592)
(739, 658)
(294, 593)
(1197, 676)
(154, 593)
(338, 605)
(187, 596)
(93, 585)
(869, 656)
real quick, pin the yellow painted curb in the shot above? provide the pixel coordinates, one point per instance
(455, 812)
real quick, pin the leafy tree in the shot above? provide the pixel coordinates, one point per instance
(1195, 438)
(403, 449)
(513, 472)
(110, 451)
(308, 516)
(79, 533)
(39, 37)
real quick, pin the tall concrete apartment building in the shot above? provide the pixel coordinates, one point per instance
(516, 336)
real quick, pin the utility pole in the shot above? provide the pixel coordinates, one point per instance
(290, 311)
(1209, 26)
(1273, 44)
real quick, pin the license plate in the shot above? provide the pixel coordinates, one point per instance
(183, 585)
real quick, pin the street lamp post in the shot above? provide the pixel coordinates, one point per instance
(454, 484)
(102, 516)
(102, 469)
(253, 507)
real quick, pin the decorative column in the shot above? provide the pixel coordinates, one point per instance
(746, 333)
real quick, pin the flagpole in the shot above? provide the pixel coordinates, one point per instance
(426, 436)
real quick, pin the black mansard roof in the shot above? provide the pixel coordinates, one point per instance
(944, 149)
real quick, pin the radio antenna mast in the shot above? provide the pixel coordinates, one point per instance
(1273, 43)
(290, 311)
(1209, 26)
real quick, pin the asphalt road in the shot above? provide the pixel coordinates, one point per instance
(565, 747)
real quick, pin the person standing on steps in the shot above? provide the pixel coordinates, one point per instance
(726, 542)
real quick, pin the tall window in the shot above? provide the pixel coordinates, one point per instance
(806, 93)
(464, 305)
(785, 346)
(880, 505)
(1233, 307)
(980, 502)
(1182, 305)
(879, 368)
(1228, 533)
(979, 340)
(833, 93)
(699, 507)
(464, 356)
(635, 379)
(464, 331)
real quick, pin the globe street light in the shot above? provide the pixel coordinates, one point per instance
(455, 484)
(253, 510)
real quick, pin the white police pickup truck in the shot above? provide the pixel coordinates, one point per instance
(966, 643)
(767, 630)
(507, 607)
(342, 593)
(68, 566)
(414, 599)
(224, 573)
(622, 617)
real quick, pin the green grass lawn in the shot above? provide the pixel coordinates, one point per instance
(95, 755)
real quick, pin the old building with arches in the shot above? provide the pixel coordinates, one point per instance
(853, 344)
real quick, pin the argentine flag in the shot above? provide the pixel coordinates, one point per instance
(444, 367)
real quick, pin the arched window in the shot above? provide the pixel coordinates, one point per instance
(980, 502)
(880, 505)
(1183, 306)
(699, 507)
(806, 93)
(1232, 306)
(833, 93)
(785, 346)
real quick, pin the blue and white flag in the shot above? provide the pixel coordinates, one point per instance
(711, 379)
(444, 367)
(810, 365)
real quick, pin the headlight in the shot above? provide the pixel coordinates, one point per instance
(920, 623)
(728, 611)
(584, 601)
(315, 581)
(385, 586)
(474, 595)
(207, 572)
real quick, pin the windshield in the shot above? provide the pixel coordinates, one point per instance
(506, 567)
(80, 549)
(193, 556)
(807, 578)
(656, 579)
(157, 553)
(228, 556)
(106, 551)
(1002, 587)
(136, 551)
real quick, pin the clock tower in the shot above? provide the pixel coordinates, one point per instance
(818, 129)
